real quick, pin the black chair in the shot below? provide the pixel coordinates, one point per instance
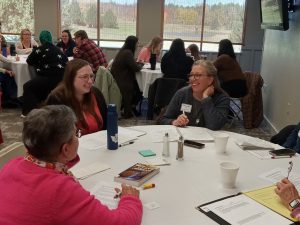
(160, 94)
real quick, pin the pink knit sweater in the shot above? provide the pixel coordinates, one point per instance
(32, 195)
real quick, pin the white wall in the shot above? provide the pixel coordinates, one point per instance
(280, 71)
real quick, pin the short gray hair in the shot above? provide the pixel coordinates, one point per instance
(46, 129)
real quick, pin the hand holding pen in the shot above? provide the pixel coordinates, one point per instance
(127, 190)
(181, 121)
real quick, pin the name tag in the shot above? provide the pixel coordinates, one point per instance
(186, 108)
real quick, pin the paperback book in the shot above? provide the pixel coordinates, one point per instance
(137, 174)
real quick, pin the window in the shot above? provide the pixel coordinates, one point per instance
(114, 21)
(204, 22)
(16, 16)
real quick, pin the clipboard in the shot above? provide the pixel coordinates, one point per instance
(222, 221)
(211, 214)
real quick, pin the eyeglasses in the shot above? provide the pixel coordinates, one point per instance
(78, 133)
(87, 77)
(27, 34)
(196, 76)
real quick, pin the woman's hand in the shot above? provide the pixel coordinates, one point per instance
(128, 190)
(181, 121)
(10, 73)
(286, 191)
(209, 91)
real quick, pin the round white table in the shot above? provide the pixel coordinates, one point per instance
(146, 77)
(183, 185)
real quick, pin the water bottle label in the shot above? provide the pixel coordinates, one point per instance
(114, 138)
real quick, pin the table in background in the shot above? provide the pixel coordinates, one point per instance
(23, 72)
(185, 184)
(147, 76)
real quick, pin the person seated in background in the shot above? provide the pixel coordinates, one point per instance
(289, 196)
(40, 189)
(193, 49)
(3, 43)
(26, 43)
(76, 91)
(88, 50)
(175, 63)
(49, 62)
(8, 84)
(67, 44)
(154, 47)
(202, 103)
(231, 76)
(123, 70)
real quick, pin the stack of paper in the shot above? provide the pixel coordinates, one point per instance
(158, 161)
(89, 170)
(245, 145)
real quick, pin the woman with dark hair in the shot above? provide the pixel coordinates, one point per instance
(123, 70)
(76, 91)
(231, 76)
(49, 63)
(40, 189)
(175, 63)
(67, 43)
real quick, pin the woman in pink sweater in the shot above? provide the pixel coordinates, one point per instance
(39, 188)
(154, 47)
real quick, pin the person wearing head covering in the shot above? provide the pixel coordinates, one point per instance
(175, 63)
(39, 189)
(49, 63)
(231, 76)
(26, 43)
(203, 103)
(123, 70)
(67, 44)
(88, 50)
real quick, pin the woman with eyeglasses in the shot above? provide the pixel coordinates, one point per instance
(40, 189)
(26, 43)
(202, 103)
(76, 91)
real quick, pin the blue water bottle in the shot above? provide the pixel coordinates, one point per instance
(112, 127)
(4, 52)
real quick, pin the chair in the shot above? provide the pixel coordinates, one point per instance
(160, 94)
(11, 151)
(108, 86)
(252, 103)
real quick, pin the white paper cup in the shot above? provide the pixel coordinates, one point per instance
(229, 171)
(221, 140)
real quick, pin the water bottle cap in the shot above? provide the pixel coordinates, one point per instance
(112, 107)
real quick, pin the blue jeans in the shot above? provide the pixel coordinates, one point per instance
(9, 87)
(293, 141)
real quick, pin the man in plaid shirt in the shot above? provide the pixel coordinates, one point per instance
(87, 49)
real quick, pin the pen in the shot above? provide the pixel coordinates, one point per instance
(148, 186)
(280, 157)
(126, 143)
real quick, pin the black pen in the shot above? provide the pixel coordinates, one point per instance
(126, 143)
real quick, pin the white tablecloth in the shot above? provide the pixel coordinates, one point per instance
(147, 76)
(185, 184)
(23, 72)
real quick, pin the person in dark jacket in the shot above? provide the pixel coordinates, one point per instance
(175, 63)
(77, 91)
(123, 70)
(67, 43)
(49, 63)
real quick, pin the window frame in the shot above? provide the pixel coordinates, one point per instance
(98, 40)
(201, 42)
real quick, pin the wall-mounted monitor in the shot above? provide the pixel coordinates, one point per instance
(274, 14)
